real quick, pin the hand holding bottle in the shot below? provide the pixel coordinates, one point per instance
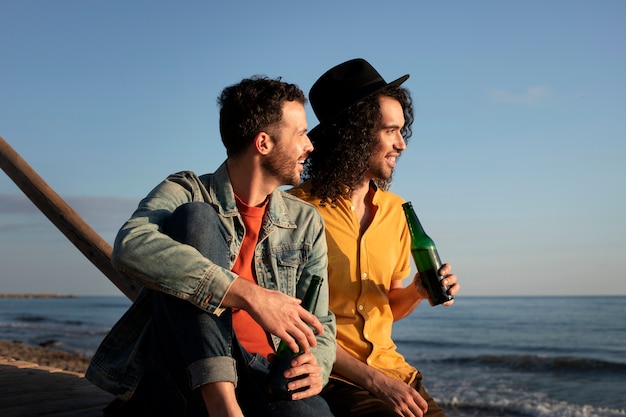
(304, 377)
(282, 363)
(426, 259)
(448, 280)
(278, 313)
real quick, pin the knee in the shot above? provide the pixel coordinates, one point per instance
(198, 224)
(190, 212)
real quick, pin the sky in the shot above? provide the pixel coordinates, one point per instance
(515, 167)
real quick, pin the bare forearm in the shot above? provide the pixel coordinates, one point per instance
(354, 370)
(403, 301)
(220, 399)
(401, 397)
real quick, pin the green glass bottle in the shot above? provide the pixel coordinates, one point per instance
(284, 355)
(426, 258)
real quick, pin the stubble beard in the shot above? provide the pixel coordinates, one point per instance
(283, 169)
(381, 170)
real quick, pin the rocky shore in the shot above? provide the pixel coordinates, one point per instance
(43, 356)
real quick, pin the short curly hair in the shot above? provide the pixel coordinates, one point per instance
(252, 106)
(343, 148)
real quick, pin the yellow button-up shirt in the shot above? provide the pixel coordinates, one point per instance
(360, 271)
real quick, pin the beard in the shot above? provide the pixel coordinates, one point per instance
(381, 173)
(379, 169)
(282, 168)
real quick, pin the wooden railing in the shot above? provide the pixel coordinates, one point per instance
(96, 249)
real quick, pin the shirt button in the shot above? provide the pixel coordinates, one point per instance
(364, 274)
(361, 307)
(352, 208)
(367, 335)
(369, 361)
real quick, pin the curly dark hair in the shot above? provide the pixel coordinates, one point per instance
(343, 148)
(252, 106)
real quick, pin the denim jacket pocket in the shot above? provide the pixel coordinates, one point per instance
(289, 263)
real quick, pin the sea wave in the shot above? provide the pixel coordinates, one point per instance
(523, 406)
(33, 318)
(541, 363)
(28, 318)
(487, 345)
(63, 327)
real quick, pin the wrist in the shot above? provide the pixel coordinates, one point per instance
(240, 294)
(420, 291)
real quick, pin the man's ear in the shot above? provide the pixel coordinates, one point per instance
(263, 143)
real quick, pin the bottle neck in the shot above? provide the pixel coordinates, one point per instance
(415, 227)
(309, 300)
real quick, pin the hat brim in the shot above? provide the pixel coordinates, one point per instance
(393, 83)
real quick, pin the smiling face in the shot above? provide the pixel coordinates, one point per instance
(390, 141)
(292, 145)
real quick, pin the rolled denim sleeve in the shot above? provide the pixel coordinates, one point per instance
(144, 253)
(209, 370)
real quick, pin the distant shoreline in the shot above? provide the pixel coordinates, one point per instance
(37, 296)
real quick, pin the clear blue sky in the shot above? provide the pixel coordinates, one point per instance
(516, 166)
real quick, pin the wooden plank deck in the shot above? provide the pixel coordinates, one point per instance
(30, 390)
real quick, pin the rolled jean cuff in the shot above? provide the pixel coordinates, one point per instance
(216, 369)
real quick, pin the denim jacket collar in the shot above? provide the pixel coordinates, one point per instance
(222, 196)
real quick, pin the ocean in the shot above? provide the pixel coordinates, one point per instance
(484, 356)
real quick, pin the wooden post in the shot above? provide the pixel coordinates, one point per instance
(96, 249)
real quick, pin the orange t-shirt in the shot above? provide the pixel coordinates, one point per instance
(250, 334)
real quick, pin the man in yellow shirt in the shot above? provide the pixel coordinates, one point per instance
(364, 125)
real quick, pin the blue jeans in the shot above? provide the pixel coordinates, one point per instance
(188, 347)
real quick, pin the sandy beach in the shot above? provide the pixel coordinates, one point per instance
(41, 381)
(11, 351)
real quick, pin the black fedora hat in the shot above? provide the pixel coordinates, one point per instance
(344, 85)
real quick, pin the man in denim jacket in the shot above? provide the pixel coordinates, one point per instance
(197, 337)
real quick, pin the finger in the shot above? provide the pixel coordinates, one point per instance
(449, 280)
(307, 333)
(453, 288)
(306, 387)
(293, 337)
(290, 342)
(304, 364)
(311, 320)
(420, 405)
(302, 336)
(305, 381)
(309, 392)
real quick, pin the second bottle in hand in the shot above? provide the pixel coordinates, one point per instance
(284, 355)
(426, 258)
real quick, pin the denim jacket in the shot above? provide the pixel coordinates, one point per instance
(291, 249)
